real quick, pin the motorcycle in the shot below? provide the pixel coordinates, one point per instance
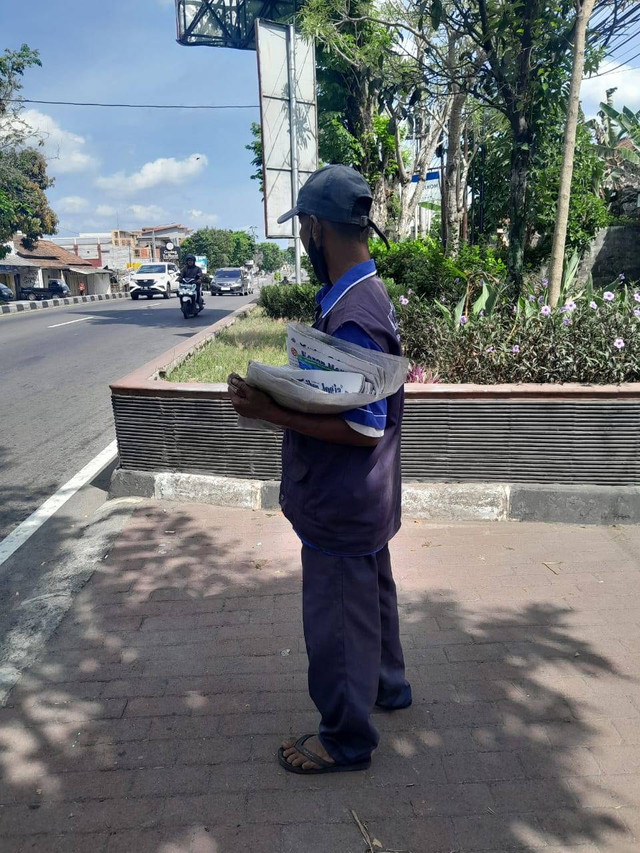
(188, 296)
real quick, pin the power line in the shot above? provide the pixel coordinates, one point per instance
(620, 67)
(138, 106)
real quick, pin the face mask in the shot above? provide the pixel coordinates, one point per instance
(316, 258)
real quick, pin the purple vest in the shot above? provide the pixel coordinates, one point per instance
(341, 499)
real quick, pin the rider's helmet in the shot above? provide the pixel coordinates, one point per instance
(190, 258)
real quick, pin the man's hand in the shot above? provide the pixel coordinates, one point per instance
(250, 402)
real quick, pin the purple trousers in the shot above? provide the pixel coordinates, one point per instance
(352, 635)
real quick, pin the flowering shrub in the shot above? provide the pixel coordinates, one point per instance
(589, 339)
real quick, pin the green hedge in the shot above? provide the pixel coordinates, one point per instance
(289, 302)
(297, 301)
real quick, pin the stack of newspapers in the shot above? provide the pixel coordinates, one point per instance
(325, 375)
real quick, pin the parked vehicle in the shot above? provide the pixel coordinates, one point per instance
(154, 280)
(6, 294)
(55, 288)
(231, 280)
(188, 296)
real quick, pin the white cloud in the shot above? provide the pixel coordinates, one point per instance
(200, 215)
(66, 151)
(165, 170)
(72, 204)
(105, 210)
(625, 78)
(146, 212)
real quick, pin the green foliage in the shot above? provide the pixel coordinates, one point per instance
(587, 211)
(575, 343)
(23, 203)
(23, 170)
(297, 301)
(421, 266)
(289, 301)
(222, 248)
(255, 147)
(627, 124)
(272, 256)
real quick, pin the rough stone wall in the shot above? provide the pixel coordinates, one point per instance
(614, 250)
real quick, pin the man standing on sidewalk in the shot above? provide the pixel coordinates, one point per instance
(341, 491)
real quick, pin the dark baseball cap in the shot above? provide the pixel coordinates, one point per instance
(336, 193)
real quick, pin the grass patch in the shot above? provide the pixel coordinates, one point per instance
(252, 338)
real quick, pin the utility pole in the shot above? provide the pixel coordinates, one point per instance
(293, 132)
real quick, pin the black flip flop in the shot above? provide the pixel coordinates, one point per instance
(323, 766)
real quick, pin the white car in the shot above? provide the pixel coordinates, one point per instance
(157, 279)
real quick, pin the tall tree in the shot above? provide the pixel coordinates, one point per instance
(255, 147)
(222, 248)
(270, 256)
(584, 10)
(23, 171)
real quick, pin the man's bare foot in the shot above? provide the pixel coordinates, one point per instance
(296, 759)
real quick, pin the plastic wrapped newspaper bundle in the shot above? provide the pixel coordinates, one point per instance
(325, 375)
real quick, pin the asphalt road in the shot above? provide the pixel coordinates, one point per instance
(55, 369)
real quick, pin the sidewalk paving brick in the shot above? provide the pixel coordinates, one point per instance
(151, 720)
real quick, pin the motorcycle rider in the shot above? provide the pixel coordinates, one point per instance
(192, 271)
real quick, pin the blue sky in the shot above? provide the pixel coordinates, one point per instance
(137, 167)
(149, 167)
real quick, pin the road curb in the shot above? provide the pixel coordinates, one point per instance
(26, 306)
(431, 501)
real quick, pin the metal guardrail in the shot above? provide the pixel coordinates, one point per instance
(508, 441)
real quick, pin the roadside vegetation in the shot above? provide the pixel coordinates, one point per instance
(255, 338)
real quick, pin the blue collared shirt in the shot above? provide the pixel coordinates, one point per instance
(371, 419)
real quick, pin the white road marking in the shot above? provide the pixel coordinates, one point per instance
(69, 322)
(29, 526)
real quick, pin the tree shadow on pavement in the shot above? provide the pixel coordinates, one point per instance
(150, 723)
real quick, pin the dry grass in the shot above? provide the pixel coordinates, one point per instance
(253, 338)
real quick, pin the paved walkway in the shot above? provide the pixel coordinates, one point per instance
(150, 723)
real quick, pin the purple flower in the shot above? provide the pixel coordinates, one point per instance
(545, 310)
(489, 349)
(566, 321)
(618, 343)
(516, 348)
(482, 313)
(636, 312)
(593, 305)
(636, 296)
(621, 276)
(403, 300)
(540, 300)
(608, 296)
(463, 320)
(571, 305)
(545, 282)
(532, 298)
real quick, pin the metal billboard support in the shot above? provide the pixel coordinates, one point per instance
(293, 133)
(288, 119)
